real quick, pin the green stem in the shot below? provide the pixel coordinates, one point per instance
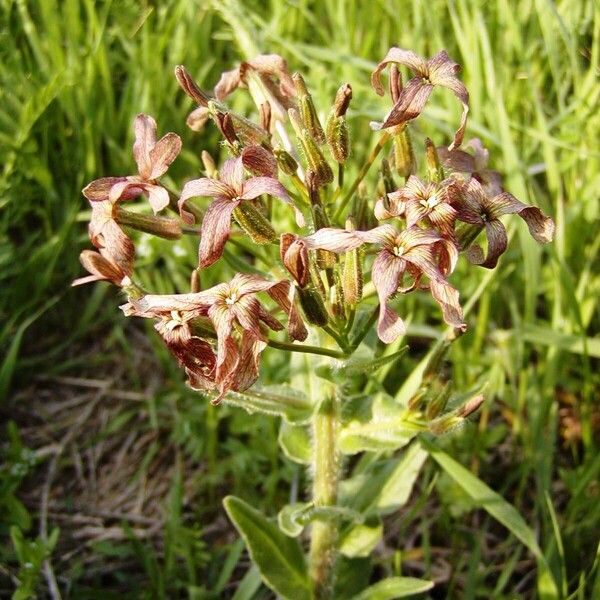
(325, 465)
(385, 136)
(363, 332)
(306, 349)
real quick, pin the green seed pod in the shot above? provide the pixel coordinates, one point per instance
(404, 156)
(438, 403)
(251, 220)
(313, 306)
(286, 162)
(352, 278)
(338, 138)
(163, 227)
(308, 112)
(435, 172)
(389, 185)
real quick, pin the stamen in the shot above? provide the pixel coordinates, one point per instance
(231, 299)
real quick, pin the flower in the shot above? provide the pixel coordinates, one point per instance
(269, 80)
(153, 159)
(474, 164)
(236, 315)
(228, 191)
(102, 268)
(417, 201)
(413, 251)
(476, 207)
(294, 257)
(439, 70)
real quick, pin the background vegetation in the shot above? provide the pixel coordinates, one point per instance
(101, 439)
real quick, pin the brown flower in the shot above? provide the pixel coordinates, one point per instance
(153, 159)
(419, 202)
(476, 207)
(439, 70)
(101, 267)
(236, 315)
(294, 256)
(228, 192)
(473, 164)
(414, 252)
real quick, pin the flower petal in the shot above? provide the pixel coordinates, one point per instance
(412, 100)
(163, 154)
(497, 243)
(216, 226)
(255, 186)
(99, 189)
(201, 187)
(385, 274)
(126, 189)
(402, 57)
(259, 161)
(247, 370)
(334, 240)
(232, 174)
(294, 256)
(145, 138)
(158, 197)
(197, 119)
(229, 81)
(447, 297)
(283, 294)
(100, 266)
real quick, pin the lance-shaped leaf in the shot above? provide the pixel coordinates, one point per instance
(500, 509)
(395, 587)
(360, 540)
(278, 557)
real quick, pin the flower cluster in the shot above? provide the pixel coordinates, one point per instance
(404, 237)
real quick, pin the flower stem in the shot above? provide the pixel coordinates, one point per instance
(306, 349)
(325, 465)
(385, 136)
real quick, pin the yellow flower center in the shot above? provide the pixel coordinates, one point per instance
(399, 249)
(430, 202)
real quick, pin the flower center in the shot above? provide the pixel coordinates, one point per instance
(430, 202)
(399, 250)
(175, 321)
(231, 299)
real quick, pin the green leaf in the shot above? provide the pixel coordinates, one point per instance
(396, 490)
(500, 509)
(278, 557)
(361, 539)
(395, 587)
(275, 400)
(294, 517)
(295, 442)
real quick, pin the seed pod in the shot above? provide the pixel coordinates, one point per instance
(389, 185)
(437, 404)
(313, 306)
(352, 278)
(310, 151)
(286, 162)
(338, 138)
(308, 112)
(404, 156)
(163, 227)
(325, 259)
(336, 295)
(251, 220)
(435, 172)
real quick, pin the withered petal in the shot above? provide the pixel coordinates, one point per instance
(163, 154)
(144, 128)
(216, 226)
(399, 56)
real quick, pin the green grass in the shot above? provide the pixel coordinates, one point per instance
(74, 73)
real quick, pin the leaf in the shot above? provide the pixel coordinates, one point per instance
(275, 400)
(361, 539)
(395, 587)
(499, 508)
(342, 370)
(278, 557)
(294, 517)
(396, 490)
(295, 442)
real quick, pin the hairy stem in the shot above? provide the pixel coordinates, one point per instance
(361, 175)
(325, 465)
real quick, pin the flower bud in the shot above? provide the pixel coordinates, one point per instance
(437, 404)
(470, 406)
(435, 172)
(352, 278)
(286, 162)
(342, 100)
(198, 118)
(445, 424)
(404, 156)
(163, 227)
(311, 153)
(313, 306)
(252, 221)
(265, 115)
(195, 285)
(308, 112)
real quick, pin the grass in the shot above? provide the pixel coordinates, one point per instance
(74, 74)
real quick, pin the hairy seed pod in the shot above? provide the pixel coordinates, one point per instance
(163, 227)
(286, 162)
(338, 138)
(389, 185)
(325, 259)
(308, 112)
(435, 172)
(252, 221)
(337, 296)
(404, 156)
(352, 278)
(313, 306)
